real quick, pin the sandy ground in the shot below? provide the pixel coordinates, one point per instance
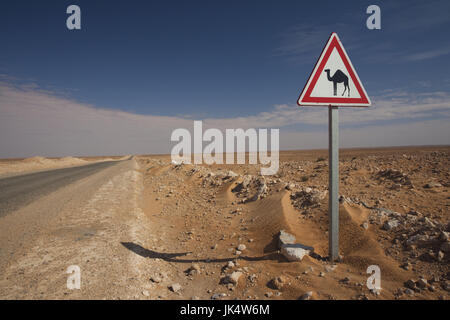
(199, 217)
(10, 167)
(149, 229)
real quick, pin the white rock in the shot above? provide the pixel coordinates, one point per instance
(330, 268)
(241, 247)
(295, 252)
(389, 225)
(285, 238)
(216, 296)
(233, 278)
(231, 174)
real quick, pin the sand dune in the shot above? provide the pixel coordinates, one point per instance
(8, 167)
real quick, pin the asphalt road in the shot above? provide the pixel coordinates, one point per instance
(18, 191)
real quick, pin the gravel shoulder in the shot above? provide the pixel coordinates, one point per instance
(82, 224)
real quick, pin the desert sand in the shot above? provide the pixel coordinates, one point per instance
(147, 228)
(217, 227)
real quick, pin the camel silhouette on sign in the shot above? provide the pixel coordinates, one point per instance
(338, 77)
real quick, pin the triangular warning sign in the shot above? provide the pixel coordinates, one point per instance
(334, 80)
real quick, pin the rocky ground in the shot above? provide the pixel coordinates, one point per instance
(225, 232)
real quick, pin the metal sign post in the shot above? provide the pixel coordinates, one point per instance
(333, 183)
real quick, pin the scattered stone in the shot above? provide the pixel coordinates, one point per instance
(146, 293)
(233, 278)
(389, 225)
(307, 198)
(409, 292)
(307, 296)
(330, 268)
(416, 239)
(421, 283)
(395, 176)
(156, 279)
(277, 283)
(230, 264)
(295, 252)
(269, 294)
(444, 236)
(262, 190)
(193, 270)
(176, 287)
(285, 238)
(406, 266)
(290, 186)
(376, 292)
(432, 184)
(346, 280)
(362, 296)
(217, 296)
(410, 284)
(231, 174)
(241, 247)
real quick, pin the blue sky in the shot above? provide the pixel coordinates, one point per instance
(224, 59)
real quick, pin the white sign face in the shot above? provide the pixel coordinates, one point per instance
(334, 80)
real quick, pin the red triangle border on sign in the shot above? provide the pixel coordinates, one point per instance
(306, 98)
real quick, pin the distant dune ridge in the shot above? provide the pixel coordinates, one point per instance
(41, 163)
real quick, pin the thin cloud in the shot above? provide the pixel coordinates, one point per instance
(34, 122)
(301, 44)
(425, 55)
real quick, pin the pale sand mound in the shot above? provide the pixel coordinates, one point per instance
(358, 246)
(71, 160)
(36, 159)
(38, 163)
